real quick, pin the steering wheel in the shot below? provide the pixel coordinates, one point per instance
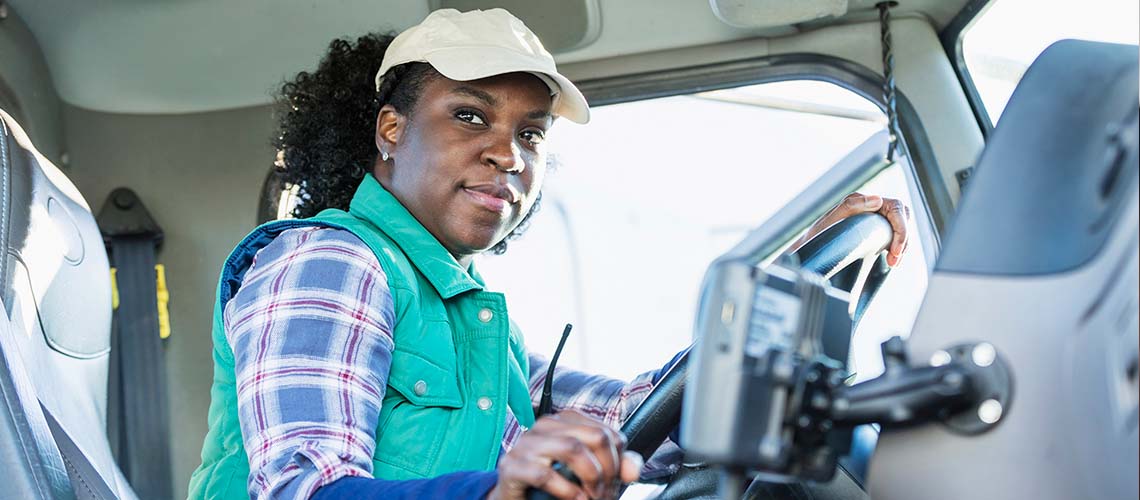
(851, 255)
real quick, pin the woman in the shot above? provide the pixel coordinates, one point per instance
(360, 343)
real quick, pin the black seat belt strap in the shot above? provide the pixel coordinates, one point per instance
(138, 416)
(40, 454)
(85, 480)
(64, 471)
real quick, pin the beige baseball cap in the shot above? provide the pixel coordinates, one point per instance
(481, 43)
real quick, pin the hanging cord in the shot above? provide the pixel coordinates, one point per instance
(889, 76)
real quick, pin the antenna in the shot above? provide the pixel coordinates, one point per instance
(544, 404)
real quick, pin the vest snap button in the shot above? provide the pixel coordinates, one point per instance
(484, 403)
(420, 388)
(485, 315)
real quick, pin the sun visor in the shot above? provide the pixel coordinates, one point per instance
(562, 25)
(775, 13)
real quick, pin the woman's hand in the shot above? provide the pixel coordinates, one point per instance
(593, 450)
(855, 203)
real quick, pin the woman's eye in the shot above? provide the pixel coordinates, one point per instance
(470, 117)
(534, 137)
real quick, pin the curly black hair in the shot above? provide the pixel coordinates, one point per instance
(326, 136)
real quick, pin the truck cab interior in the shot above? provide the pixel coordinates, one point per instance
(139, 134)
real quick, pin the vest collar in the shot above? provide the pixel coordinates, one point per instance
(376, 205)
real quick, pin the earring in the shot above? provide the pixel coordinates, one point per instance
(383, 155)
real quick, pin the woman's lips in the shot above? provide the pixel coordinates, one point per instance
(492, 195)
(488, 201)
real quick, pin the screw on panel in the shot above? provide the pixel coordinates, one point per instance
(841, 405)
(963, 177)
(124, 200)
(728, 312)
(989, 411)
(983, 354)
(940, 358)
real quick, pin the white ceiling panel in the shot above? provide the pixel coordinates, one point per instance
(181, 56)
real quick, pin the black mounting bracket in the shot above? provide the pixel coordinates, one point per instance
(967, 387)
(124, 215)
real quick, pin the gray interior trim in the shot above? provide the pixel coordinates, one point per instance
(32, 98)
(951, 38)
(852, 76)
(8, 101)
(917, 149)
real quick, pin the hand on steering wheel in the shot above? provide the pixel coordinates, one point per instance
(594, 452)
(856, 203)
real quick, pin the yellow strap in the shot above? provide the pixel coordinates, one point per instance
(163, 298)
(114, 289)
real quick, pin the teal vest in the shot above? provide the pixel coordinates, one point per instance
(458, 366)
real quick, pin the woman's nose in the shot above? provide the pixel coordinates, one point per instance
(503, 154)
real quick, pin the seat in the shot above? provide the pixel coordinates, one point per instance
(56, 291)
(1041, 262)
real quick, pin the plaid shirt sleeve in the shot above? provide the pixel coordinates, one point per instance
(608, 400)
(310, 329)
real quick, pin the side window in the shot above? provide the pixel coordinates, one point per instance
(1010, 34)
(650, 192)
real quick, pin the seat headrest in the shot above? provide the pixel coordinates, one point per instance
(1049, 175)
(54, 264)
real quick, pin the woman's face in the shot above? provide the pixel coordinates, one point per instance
(469, 160)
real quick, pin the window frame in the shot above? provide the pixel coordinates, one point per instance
(951, 38)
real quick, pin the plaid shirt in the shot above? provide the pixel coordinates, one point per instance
(310, 329)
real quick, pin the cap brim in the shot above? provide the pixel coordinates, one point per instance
(457, 64)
